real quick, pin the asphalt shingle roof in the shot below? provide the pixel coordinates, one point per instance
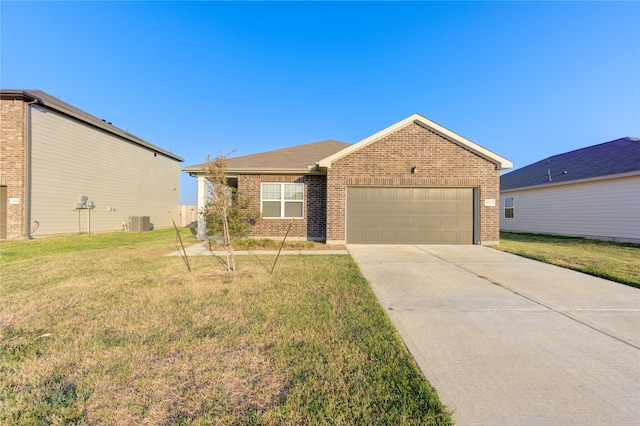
(298, 157)
(52, 102)
(618, 156)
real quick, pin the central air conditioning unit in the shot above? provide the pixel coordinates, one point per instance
(139, 223)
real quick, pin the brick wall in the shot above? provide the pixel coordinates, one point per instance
(388, 161)
(311, 226)
(12, 162)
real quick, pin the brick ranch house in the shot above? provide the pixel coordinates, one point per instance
(414, 182)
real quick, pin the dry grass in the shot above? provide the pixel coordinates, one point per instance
(105, 329)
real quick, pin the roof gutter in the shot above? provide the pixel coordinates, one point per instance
(26, 202)
(194, 171)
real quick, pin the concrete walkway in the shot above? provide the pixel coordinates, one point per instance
(202, 249)
(511, 341)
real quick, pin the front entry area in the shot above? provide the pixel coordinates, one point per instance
(400, 215)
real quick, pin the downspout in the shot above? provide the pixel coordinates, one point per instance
(27, 166)
(202, 201)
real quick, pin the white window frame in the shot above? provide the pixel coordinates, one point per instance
(282, 199)
(512, 207)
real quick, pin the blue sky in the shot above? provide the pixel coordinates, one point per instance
(524, 79)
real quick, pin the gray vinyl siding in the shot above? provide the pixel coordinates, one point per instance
(71, 159)
(606, 209)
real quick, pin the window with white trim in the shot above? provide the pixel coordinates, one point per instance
(509, 209)
(279, 200)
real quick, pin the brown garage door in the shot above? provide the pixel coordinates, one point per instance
(409, 215)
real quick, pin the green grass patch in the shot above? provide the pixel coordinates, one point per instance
(105, 329)
(618, 262)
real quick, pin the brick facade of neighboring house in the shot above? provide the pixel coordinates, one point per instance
(388, 161)
(12, 164)
(453, 187)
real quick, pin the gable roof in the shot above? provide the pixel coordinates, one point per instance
(609, 158)
(500, 162)
(296, 159)
(45, 100)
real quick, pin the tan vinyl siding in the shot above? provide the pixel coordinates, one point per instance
(607, 209)
(71, 159)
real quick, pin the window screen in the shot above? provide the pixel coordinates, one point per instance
(279, 200)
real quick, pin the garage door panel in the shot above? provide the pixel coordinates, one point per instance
(463, 224)
(356, 194)
(371, 207)
(434, 193)
(434, 222)
(465, 210)
(434, 208)
(419, 194)
(385, 237)
(370, 235)
(419, 237)
(370, 222)
(449, 208)
(449, 223)
(357, 208)
(410, 215)
(386, 222)
(434, 237)
(402, 237)
(403, 207)
(452, 195)
(402, 223)
(355, 223)
(418, 208)
(403, 193)
(386, 208)
(419, 223)
(382, 193)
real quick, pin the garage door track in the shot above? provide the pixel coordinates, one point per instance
(511, 341)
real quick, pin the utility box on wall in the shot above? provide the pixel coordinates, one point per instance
(139, 223)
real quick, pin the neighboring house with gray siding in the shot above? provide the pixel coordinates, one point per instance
(53, 154)
(593, 192)
(412, 182)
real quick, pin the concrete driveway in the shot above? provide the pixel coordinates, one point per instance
(511, 341)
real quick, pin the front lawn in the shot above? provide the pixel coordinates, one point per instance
(614, 261)
(105, 329)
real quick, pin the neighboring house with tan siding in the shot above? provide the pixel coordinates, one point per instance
(412, 182)
(593, 192)
(53, 154)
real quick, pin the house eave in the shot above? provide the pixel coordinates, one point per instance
(311, 170)
(572, 182)
(260, 171)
